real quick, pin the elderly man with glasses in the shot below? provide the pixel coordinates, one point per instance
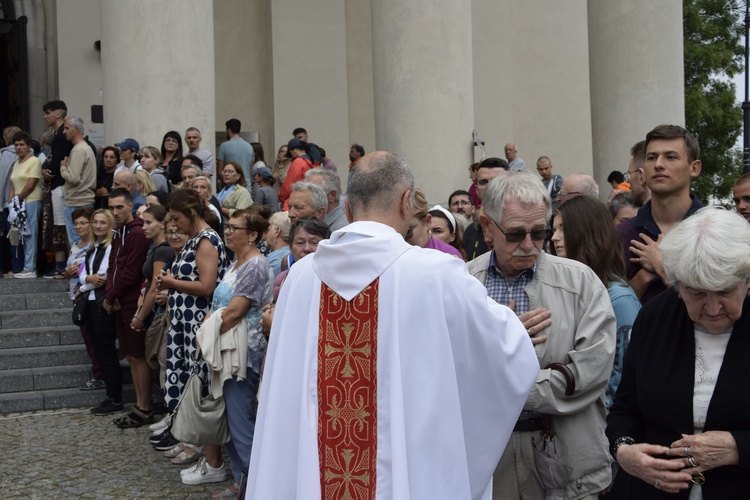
(567, 313)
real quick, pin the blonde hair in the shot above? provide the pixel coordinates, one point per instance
(144, 179)
(206, 180)
(419, 208)
(110, 220)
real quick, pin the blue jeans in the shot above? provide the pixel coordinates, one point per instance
(73, 238)
(24, 255)
(241, 403)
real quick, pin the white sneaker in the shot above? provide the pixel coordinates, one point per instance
(192, 468)
(161, 425)
(203, 473)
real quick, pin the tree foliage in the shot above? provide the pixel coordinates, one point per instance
(713, 31)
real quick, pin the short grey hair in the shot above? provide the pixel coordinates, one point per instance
(193, 129)
(377, 182)
(283, 222)
(331, 180)
(584, 185)
(47, 136)
(620, 201)
(717, 255)
(518, 185)
(77, 122)
(319, 198)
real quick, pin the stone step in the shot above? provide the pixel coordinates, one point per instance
(40, 336)
(49, 377)
(35, 301)
(34, 319)
(14, 286)
(53, 399)
(56, 355)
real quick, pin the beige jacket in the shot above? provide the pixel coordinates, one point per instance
(224, 353)
(582, 336)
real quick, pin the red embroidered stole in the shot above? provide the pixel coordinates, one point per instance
(347, 394)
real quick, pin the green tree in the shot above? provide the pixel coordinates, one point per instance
(713, 31)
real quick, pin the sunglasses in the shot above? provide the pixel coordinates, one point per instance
(519, 236)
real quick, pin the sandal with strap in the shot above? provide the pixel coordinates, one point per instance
(135, 418)
(174, 451)
(228, 493)
(187, 456)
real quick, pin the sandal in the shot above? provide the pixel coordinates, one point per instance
(135, 418)
(187, 456)
(174, 451)
(228, 493)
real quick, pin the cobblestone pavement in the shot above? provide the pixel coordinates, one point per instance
(70, 454)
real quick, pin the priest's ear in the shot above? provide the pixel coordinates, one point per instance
(404, 206)
(348, 211)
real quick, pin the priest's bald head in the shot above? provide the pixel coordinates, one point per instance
(381, 189)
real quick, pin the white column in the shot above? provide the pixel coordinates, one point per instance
(309, 75)
(423, 84)
(157, 69)
(636, 57)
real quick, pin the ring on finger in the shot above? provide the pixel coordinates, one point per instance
(692, 462)
(657, 484)
(686, 451)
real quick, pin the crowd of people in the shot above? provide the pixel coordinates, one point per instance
(525, 315)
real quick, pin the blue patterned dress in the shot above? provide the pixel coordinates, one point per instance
(186, 314)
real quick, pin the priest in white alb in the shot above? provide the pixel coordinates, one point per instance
(390, 374)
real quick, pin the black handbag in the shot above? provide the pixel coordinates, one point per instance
(79, 309)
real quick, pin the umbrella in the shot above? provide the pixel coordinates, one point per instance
(551, 465)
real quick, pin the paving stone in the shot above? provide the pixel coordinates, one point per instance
(83, 456)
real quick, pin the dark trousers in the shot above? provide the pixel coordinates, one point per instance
(101, 331)
(5, 249)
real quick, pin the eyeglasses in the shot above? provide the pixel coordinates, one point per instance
(519, 236)
(562, 194)
(81, 223)
(171, 139)
(174, 234)
(460, 203)
(231, 228)
(410, 231)
(483, 182)
(629, 173)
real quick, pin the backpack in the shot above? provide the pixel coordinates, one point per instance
(170, 187)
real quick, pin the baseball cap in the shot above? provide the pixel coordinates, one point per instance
(129, 144)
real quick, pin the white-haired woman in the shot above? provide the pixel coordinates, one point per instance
(278, 241)
(679, 419)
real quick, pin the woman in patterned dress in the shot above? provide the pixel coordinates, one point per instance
(196, 271)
